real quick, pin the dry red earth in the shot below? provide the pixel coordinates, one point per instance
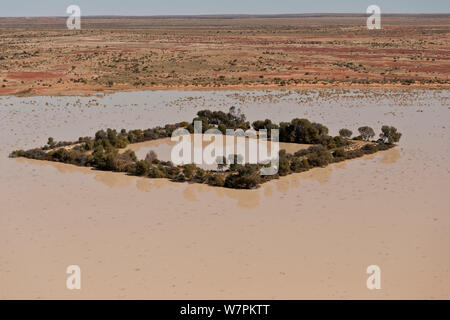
(40, 56)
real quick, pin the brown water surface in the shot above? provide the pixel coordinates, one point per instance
(309, 235)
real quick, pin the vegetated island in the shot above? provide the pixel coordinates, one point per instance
(103, 152)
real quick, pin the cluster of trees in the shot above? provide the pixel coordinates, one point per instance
(52, 144)
(319, 156)
(388, 135)
(75, 157)
(234, 119)
(296, 131)
(111, 138)
(102, 151)
(302, 131)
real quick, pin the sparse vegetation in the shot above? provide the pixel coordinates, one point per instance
(130, 56)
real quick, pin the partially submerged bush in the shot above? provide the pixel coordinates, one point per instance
(216, 180)
(142, 168)
(157, 172)
(247, 177)
(319, 158)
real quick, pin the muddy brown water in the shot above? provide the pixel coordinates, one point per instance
(209, 147)
(309, 235)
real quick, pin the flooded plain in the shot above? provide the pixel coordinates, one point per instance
(305, 236)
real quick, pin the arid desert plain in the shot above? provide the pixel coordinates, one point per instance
(309, 235)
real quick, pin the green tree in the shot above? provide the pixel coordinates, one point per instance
(157, 173)
(366, 133)
(284, 166)
(216, 180)
(247, 177)
(51, 142)
(189, 170)
(222, 128)
(390, 134)
(142, 168)
(320, 158)
(345, 133)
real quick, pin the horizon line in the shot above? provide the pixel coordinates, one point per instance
(232, 15)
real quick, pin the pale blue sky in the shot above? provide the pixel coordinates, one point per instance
(20, 8)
